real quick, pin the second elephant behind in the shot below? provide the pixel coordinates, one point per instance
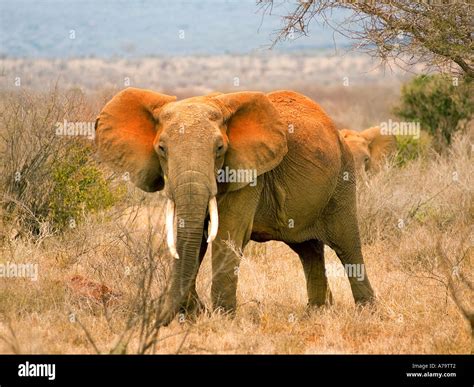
(370, 147)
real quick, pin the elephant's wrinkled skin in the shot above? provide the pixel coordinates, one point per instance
(304, 194)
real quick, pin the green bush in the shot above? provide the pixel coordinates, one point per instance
(79, 188)
(46, 180)
(410, 148)
(441, 104)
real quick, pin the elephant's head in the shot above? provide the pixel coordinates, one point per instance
(369, 147)
(180, 146)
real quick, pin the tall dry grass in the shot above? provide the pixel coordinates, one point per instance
(99, 284)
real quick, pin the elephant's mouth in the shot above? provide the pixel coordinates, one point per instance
(170, 215)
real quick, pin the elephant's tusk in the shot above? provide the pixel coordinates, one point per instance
(214, 220)
(170, 228)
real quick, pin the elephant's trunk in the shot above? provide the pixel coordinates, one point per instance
(191, 200)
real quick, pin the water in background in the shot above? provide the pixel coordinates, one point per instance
(136, 28)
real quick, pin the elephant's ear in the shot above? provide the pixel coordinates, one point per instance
(257, 135)
(125, 133)
(381, 146)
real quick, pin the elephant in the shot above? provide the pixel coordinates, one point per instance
(288, 177)
(370, 148)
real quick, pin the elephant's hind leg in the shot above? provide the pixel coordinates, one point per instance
(311, 254)
(343, 238)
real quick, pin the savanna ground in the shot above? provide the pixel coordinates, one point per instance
(99, 277)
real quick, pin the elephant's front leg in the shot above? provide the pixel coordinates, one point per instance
(236, 214)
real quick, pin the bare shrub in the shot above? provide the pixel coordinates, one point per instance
(39, 168)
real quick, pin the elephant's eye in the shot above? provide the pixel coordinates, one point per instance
(162, 150)
(219, 149)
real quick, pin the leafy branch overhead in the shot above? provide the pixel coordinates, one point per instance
(439, 35)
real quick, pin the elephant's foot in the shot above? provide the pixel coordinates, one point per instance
(321, 300)
(166, 315)
(225, 305)
(363, 293)
(191, 308)
(366, 302)
(224, 298)
(188, 310)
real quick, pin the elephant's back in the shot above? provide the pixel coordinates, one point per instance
(310, 129)
(305, 181)
(293, 105)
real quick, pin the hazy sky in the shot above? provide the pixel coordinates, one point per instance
(131, 28)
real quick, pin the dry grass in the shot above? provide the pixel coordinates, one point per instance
(415, 312)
